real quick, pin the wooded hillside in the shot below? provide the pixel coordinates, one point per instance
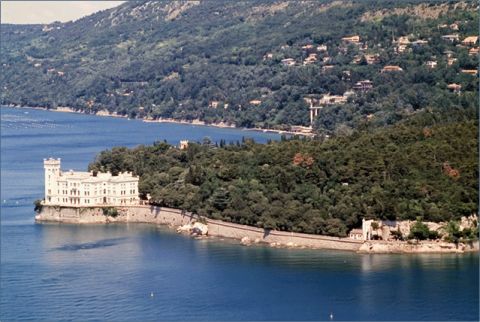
(250, 63)
(426, 168)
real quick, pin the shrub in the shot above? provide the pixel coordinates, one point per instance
(455, 235)
(38, 205)
(397, 234)
(110, 211)
(420, 231)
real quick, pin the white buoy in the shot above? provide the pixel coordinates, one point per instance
(331, 316)
(151, 294)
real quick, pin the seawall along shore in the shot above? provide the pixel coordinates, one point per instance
(217, 228)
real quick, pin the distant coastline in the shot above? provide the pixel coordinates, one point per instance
(105, 113)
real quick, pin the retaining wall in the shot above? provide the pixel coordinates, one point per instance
(230, 230)
(175, 218)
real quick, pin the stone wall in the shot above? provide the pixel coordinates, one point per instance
(175, 218)
(78, 215)
(248, 234)
(135, 214)
(279, 238)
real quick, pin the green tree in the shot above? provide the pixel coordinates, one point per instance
(452, 229)
(38, 205)
(420, 231)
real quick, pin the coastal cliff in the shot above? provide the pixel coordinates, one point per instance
(246, 234)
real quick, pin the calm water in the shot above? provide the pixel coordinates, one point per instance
(53, 271)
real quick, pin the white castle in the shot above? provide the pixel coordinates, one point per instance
(86, 189)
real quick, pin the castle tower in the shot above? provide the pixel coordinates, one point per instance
(52, 172)
(367, 229)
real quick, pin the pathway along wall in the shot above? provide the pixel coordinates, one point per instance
(175, 218)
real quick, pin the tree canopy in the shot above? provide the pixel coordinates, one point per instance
(426, 167)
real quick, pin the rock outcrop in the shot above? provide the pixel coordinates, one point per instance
(378, 247)
(383, 228)
(246, 241)
(195, 229)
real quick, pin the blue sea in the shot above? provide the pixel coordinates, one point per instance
(142, 272)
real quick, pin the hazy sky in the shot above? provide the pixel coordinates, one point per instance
(28, 12)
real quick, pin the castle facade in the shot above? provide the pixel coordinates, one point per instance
(74, 188)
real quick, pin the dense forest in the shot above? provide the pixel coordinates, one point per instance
(251, 64)
(424, 168)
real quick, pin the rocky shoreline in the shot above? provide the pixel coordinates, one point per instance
(197, 227)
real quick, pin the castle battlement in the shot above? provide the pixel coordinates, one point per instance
(51, 161)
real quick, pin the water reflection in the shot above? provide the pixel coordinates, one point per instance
(231, 251)
(91, 245)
